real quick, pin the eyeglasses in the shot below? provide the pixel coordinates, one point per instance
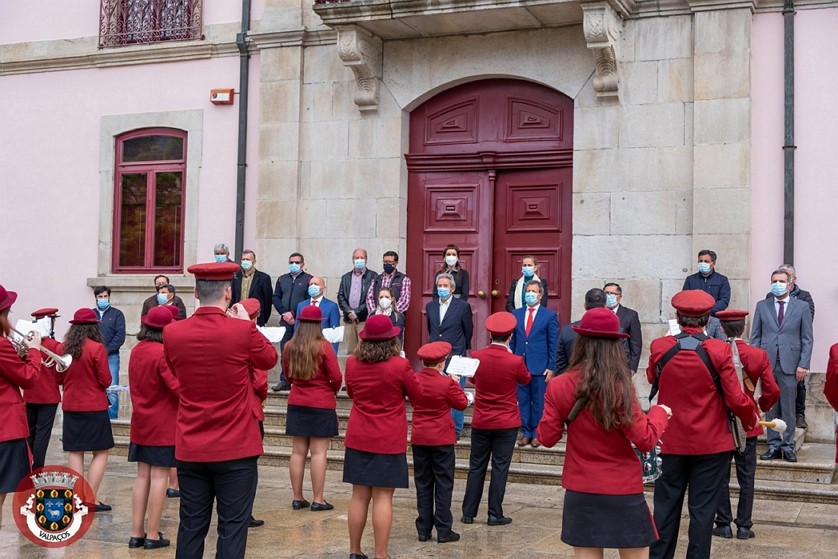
(295, 261)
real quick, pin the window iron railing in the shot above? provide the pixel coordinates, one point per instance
(128, 22)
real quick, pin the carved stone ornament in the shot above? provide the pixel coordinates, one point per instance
(361, 52)
(602, 26)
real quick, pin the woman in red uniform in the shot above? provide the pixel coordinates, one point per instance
(154, 399)
(14, 375)
(87, 427)
(604, 505)
(312, 368)
(375, 462)
(42, 399)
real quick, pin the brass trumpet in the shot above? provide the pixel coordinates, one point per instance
(61, 362)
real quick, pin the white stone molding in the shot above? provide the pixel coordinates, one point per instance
(361, 52)
(602, 27)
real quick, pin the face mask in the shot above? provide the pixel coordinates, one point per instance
(360, 264)
(704, 267)
(779, 288)
(388, 268)
(451, 260)
(294, 268)
(531, 298)
(385, 302)
(610, 300)
(103, 303)
(162, 299)
(246, 265)
(528, 271)
(220, 258)
(443, 292)
(313, 290)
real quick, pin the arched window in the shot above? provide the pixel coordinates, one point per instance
(150, 175)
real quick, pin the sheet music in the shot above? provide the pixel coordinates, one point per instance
(25, 326)
(334, 335)
(674, 328)
(463, 366)
(273, 333)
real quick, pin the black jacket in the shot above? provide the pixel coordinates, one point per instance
(289, 292)
(260, 288)
(345, 288)
(633, 345)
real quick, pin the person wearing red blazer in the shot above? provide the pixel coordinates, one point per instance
(87, 426)
(154, 399)
(375, 460)
(830, 387)
(697, 446)
(42, 399)
(604, 506)
(14, 375)
(756, 366)
(432, 441)
(217, 438)
(495, 422)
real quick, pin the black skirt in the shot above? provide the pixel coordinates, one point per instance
(303, 421)
(14, 464)
(162, 456)
(86, 431)
(375, 470)
(627, 518)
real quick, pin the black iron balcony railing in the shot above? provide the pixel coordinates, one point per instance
(127, 22)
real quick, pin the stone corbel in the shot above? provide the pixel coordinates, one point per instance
(361, 52)
(602, 26)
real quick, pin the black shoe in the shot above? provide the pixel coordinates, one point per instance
(102, 507)
(801, 422)
(172, 493)
(723, 531)
(300, 504)
(321, 506)
(745, 533)
(789, 456)
(451, 537)
(770, 454)
(357, 556)
(467, 520)
(134, 543)
(502, 521)
(281, 387)
(158, 543)
(424, 537)
(253, 523)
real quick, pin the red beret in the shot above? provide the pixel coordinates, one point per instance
(600, 323)
(174, 310)
(48, 311)
(214, 271)
(434, 352)
(693, 302)
(158, 317)
(84, 316)
(7, 298)
(501, 323)
(252, 306)
(731, 314)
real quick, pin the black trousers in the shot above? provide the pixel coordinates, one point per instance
(232, 485)
(800, 402)
(498, 445)
(40, 418)
(433, 475)
(702, 474)
(746, 467)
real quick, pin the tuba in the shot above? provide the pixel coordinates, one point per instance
(60, 362)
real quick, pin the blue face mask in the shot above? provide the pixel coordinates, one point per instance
(704, 267)
(610, 300)
(313, 290)
(294, 268)
(443, 292)
(779, 288)
(246, 265)
(220, 258)
(360, 264)
(103, 304)
(528, 271)
(162, 299)
(388, 268)
(531, 298)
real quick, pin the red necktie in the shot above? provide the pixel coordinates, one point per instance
(313, 303)
(780, 313)
(528, 327)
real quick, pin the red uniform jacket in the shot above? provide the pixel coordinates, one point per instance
(699, 418)
(14, 375)
(319, 392)
(495, 388)
(154, 396)
(214, 359)
(86, 381)
(260, 392)
(756, 365)
(596, 460)
(830, 386)
(46, 389)
(378, 419)
(432, 421)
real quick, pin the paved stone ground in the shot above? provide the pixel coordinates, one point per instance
(784, 529)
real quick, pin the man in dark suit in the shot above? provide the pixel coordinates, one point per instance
(352, 298)
(161, 281)
(594, 299)
(450, 320)
(329, 309)
(291, 288)
(535, 337)
(707, 279)
(629, 324)
(783, 328)
(250, 282)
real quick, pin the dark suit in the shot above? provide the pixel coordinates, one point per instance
(151, 302)
(630, 324)
(288, 293)
(260, 289)
(539, 353)
(717, 285)
(567, 337)
(331, 314)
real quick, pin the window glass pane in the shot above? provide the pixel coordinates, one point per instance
(132, 231)
(167, 222)
(152, 148)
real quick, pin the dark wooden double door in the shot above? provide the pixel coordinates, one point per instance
(490, 170)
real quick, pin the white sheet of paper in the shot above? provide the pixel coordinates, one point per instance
(334, 335)
(273, 333)
(25, 326)
(463, 366)
(674, 329)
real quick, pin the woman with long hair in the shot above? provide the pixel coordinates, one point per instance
(386, 306)
(154, 399)
(313, 371)
(15, 373)
(375, 461)
(601, 474)
(451, 265)
(87, 427)
(515, 299)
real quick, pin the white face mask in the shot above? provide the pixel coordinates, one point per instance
(385, 302)
(451, 260)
